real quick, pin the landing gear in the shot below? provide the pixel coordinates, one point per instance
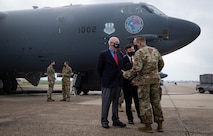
(9, 84)
(1, 84)
(86, 81)
(85, 92)
(77, 83)
(201, 90)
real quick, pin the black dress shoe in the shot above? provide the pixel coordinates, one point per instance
(105, 125)
(130, 122)
(118, 123)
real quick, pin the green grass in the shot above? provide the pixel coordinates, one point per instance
(40, 83)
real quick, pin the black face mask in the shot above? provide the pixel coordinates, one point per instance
(131, 53)
(136, 47)
(116, 45)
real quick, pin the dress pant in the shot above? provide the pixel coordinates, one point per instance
(130, 92)
(110, 95)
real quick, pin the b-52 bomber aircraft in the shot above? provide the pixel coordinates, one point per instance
(30, 39)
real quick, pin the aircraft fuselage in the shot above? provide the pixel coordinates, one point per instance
(30, 39)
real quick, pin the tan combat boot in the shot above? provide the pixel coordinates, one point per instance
(147, 128)
(68, 99)
(63, 99)
(49, 100)
(120, 108)
(160, 127)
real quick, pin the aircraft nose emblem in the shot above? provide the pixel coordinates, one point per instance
(134, 24)
(109, 28)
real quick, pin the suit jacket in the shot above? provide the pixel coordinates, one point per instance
(126, 63)
(108, 70)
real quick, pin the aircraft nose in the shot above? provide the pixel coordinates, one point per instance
(184, 32)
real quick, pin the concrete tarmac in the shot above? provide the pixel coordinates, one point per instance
(186, 113)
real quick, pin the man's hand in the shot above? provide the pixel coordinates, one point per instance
(123, 73)
(133, 83)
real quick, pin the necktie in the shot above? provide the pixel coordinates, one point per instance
(116, 57)
(131, 61)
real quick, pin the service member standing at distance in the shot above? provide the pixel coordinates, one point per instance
(51, 80)
(66, 75)
(109, 69)
(147, 63)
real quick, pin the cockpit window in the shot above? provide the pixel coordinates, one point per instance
(131, 9)
(155, 10)
(138, 8)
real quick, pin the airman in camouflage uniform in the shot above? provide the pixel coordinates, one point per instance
(147, 63)
(66, 75)
(51, 81)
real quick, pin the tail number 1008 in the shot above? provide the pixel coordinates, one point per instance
(87, 29)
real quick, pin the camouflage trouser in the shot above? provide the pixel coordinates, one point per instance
(65, 90)
(50, 89)
(121, 97)
(160, 92)
(149, 100)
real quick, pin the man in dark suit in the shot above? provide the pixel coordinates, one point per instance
(109, 67)
(130, 91)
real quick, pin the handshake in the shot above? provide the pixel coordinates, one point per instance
(130, 78)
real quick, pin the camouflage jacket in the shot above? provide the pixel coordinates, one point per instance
(147, 64)
(67, 72)
(50, 73)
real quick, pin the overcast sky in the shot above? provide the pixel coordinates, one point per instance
(185, 64)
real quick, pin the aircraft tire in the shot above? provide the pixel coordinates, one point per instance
(1, 87)
(1, 84)
(78, 91)
(14, 84)
(10, 85)
(211, 92)
(7, 85)
(86, 92)
(201, 90)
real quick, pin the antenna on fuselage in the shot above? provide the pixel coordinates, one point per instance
(35, 7)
